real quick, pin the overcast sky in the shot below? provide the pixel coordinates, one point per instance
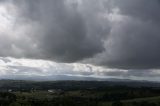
(80, 38)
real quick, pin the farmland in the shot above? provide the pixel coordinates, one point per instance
(79, 93)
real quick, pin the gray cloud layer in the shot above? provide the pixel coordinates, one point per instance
(29, 69)
(114, 33)
(66, 33)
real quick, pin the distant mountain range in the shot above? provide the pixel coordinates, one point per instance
(62, 78)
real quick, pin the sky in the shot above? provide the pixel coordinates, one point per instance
(80, 39)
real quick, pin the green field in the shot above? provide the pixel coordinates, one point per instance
(78, 93)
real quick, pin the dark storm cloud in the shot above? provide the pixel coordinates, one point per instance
(134, 41)
(142, 9)
(114, 33)
(135, 47)
(67, 34)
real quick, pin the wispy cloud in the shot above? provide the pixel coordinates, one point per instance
(48, 70)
